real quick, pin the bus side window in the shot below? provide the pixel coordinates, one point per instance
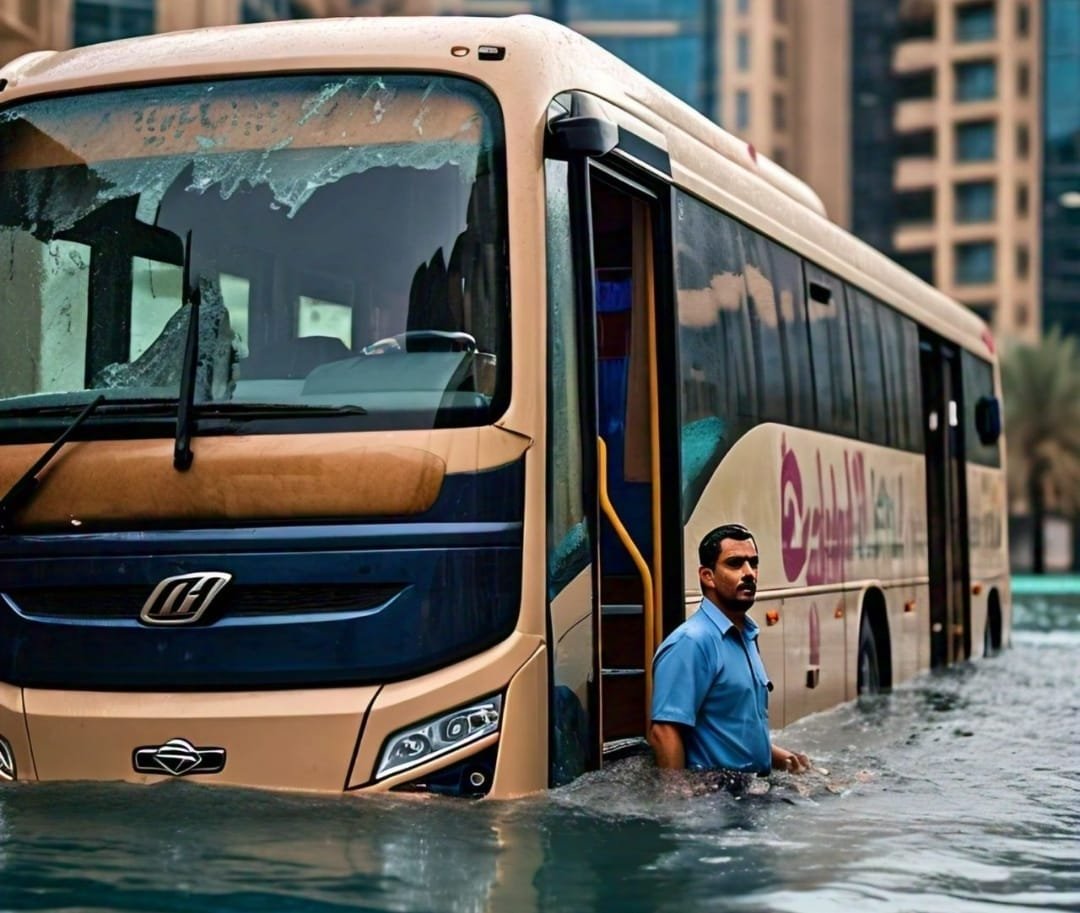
(827, 314)
(895, 382)
(913, 409)
(869, 376)
(786, 274)
(721, 398)
(775, 290)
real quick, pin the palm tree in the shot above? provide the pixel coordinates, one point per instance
(1041, 385)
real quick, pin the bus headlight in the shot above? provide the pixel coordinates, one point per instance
(439, 735)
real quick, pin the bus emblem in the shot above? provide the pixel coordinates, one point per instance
(178, 757)
(182, 600)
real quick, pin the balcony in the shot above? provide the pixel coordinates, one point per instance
(914, 115)
(912, 56)
(914, 236)
(914, 173)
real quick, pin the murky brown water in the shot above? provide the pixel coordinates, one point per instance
(959, 792)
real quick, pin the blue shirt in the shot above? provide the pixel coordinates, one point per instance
(708, 677)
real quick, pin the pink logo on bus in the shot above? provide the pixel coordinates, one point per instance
(842, 512)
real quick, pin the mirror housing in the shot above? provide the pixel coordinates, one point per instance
(583, 133)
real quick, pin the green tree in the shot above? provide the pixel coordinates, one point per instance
(1041, 386)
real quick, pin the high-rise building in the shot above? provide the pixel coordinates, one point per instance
(1061, 167)
(954, 123)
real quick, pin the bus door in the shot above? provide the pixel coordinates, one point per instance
(620, 220)
(950, 608)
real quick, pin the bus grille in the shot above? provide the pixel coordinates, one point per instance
(235, 600)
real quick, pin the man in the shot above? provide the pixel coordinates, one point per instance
(710, 691)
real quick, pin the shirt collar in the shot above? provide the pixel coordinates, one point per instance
(718, 618)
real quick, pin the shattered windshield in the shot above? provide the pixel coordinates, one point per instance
(346, 236)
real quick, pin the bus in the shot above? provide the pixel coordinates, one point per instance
(366, 386)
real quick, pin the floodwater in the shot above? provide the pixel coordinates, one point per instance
(958, 792)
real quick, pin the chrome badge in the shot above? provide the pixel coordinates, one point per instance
(182, 600)
(178, 758)
(7, 760)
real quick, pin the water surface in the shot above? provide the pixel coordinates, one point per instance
(958, 792)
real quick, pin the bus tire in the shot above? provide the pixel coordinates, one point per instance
(869, 680)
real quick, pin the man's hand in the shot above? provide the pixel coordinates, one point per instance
(791, 761)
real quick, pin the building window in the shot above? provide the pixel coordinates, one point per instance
(780, 10)
(919, 262)
(919, 85)
(920, 144)
(743, 7)
(1023, 20)
(1020, 315)
(975, 141)
(266, 10)
(975, 22)
(1023, 80)
(915, 207)
(917, 22)
(1021, 199)
(1023, 261)
(1023, 141)
(108, 20)
(975, 202)
(975, 81)
(975, 263)
(779, 155)
(742, 51)
(984, 310)
(742, 109)
(780, 66)
(779, 112)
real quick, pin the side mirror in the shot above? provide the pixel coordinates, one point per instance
(583, 133)
(571, 137)
(988, 419)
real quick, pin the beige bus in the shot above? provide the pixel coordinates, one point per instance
(366, 386)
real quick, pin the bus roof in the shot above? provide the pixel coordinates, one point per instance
(549, 58)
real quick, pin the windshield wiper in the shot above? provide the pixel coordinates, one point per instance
(281, 410)
(113, 406)
(28, 482)
(185, 406)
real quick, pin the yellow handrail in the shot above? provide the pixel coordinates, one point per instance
(642, 567)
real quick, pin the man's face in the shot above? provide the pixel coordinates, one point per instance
(734, 577)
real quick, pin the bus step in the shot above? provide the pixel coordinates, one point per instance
(622, 636)
(613, 609)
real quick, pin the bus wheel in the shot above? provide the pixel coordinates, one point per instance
(869, 667)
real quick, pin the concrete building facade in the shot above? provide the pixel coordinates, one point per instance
(955, 117)
(1061, 167)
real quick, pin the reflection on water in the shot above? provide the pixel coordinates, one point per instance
(956, 792)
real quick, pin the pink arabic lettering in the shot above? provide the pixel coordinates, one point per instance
(819, 536)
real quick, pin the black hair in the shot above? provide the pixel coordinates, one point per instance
(709, 550)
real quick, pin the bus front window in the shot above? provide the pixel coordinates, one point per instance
(347, 235)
